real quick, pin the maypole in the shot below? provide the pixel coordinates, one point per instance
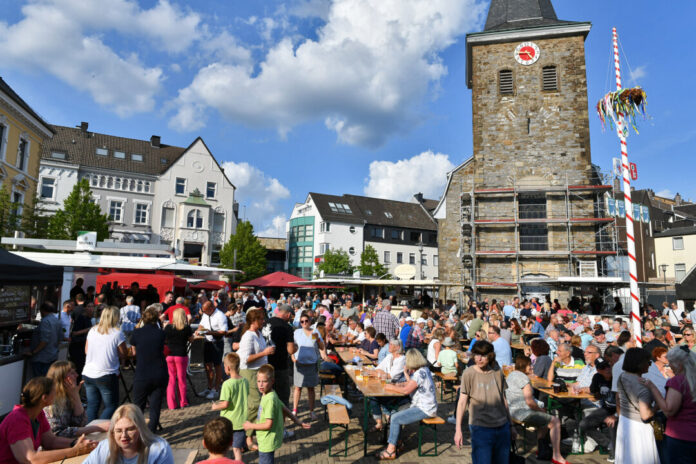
(618, 106)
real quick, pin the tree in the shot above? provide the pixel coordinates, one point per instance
(369, 263)
(79, 212)
(335, 262)
(34, 223)
(8, 214)
(251, 255)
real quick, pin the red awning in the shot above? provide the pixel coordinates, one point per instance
(209, 285)
(277, 279)
(162, 283)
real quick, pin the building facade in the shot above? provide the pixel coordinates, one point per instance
(22, 134)
(526, 211)
(400, 233)
(152, 192)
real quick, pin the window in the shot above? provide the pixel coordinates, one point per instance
(436, 260)
(163, 160)
(424, 260)
(679, 271)
(167, 217)
(116, 210)
(3, 140)
(505, 82)
(102, 152)
(677, 243)
(534, 237)
(136, 157)
(180, 186)
(532, 206)
(218, 222)
(324, 247)
(215, 255)
(351, 229)
(120, 154)
(325, 226)
(22, 154)
(141, 213)
(399, 257)
(396, 234)
(18, 201)
(340, 208)
(411, 258)
(378, 232)
(387, 257)
(549, 78)
(48, 185)
(194, 219)
(139, 186)
(432, 238)
(54, 154)
(210, 189)
(415, 237)
(388, 214)
(351, 251)
(368, 212)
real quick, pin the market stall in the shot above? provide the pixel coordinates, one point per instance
(162, 283)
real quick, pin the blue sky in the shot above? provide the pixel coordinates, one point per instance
(343, 96)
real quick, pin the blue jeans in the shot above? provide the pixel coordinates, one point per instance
(266, 458)
(405, 417)
(385, 406)
(679, 451)
(490, 445)
(40, 369)
(331, 367)
(102, 389)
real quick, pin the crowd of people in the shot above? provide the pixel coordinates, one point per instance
(258, 350)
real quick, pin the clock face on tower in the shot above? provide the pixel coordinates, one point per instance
(527, 53)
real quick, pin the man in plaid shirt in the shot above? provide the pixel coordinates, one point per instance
(385, 322)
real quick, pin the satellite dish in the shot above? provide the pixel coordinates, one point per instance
(405, 272)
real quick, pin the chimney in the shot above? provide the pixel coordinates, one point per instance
(419, 197)
(617, 185)
(155, 141)
(83, 126)
(678, 199)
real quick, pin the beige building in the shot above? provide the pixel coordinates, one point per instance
(675, 253)
(22, 134)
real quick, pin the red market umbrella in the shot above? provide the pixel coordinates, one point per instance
(277, 279)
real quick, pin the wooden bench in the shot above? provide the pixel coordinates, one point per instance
(338, 417)
(443, 384)
(428, 423)
(334, 390)
(525, 429)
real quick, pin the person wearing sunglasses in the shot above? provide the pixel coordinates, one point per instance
(689, 339)
(309, 344)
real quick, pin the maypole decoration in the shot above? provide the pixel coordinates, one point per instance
(615, 108)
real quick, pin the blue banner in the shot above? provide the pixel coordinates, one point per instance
(611, 206)
(620, 208)
(645, 214)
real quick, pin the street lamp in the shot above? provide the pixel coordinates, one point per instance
(664, 267)
(420, 257)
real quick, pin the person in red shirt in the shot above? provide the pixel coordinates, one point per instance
(217, 439)
(26, 428)
(169, 313)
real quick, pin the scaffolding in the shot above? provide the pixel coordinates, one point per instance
(531, 222)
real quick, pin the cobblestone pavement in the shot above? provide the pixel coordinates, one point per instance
(183, 428)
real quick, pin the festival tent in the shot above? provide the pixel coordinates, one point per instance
(163, 283)
(209, 285)
(15, 269)
(277, 279)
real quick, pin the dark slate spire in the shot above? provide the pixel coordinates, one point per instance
(518, 14)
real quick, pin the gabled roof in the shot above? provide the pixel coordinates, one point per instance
(5, 88)
(443, 197)
(676, 231)
(80, 148)
(375, 211)
(518, 14)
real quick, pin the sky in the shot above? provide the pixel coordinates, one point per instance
(365, 97)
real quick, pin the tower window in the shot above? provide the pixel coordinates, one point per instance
(549, 77)
(505, 82)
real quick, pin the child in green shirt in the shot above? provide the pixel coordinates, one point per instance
(447, 359)
(233, 402)
(269, 425)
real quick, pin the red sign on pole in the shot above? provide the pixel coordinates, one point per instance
(634, 171)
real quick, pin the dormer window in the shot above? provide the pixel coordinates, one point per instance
(120, 154)
(549, 77)
(506, 85)
(136, 157)
(102, 152)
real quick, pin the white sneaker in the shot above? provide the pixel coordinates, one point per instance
(204, 393)
(567, 441)
(212, 394)
(590, 445)
(452, 420)
(288, 433)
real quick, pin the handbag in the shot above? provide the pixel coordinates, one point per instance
(657, 426)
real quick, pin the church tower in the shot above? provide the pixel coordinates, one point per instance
(524, 214)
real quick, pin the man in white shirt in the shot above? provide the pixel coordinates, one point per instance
(214, 326)
(675, 315)
(129, 316)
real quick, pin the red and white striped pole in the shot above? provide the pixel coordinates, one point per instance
(632, 266)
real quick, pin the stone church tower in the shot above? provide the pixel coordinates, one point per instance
(523, 215)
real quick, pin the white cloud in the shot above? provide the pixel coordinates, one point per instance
(365, 75)
(666, 193)
(276, 229)
(400, 180)
(260, 194)
(311, 9)
(639, 73)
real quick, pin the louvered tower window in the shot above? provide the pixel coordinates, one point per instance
(505, 82)
(549, 77)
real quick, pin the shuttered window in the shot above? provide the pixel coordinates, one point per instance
(549, 77)
(505, 82)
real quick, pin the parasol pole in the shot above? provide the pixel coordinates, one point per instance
(632, 266)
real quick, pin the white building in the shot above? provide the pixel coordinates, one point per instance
(152, 192)
(675, 253)
(400, 232)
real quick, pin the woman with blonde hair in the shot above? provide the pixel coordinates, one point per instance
(177, 336)
(105, 345)
(66, 415)
(128, 439)
(435, 345)
(420, 386)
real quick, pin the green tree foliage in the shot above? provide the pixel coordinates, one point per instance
(369, 263)
(8, 214)
(335, 262)
(79, 212)
(251, 255)
(34, 223)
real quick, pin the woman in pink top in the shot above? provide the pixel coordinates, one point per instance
(679, 406)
